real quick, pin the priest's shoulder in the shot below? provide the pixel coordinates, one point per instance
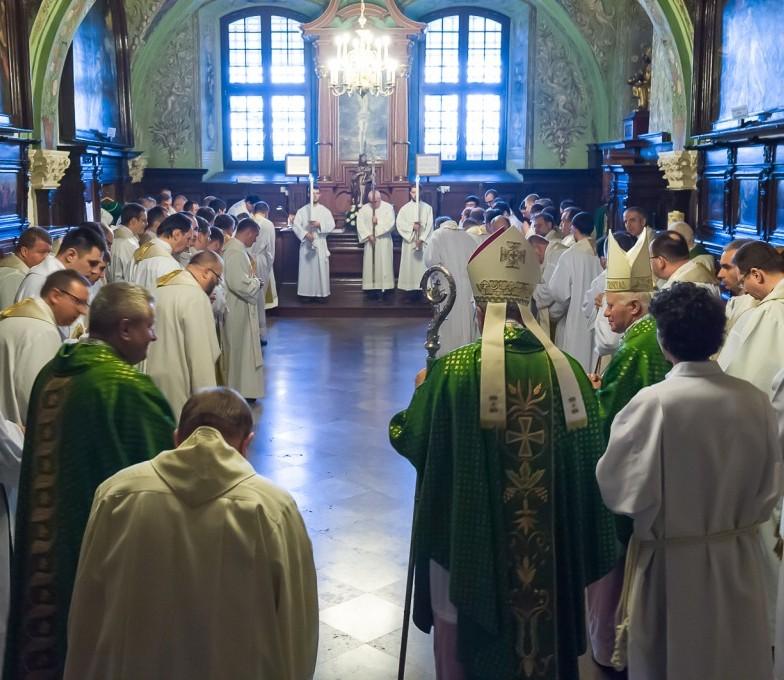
(275, 503)
(457, 362)
(136, 478)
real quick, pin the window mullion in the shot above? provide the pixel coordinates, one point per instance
(267, 89)
(462, 87)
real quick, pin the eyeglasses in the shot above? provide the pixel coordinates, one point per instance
(79, 302)
(743, 277)
(218, 277)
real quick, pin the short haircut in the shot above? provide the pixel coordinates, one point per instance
(225, 222)
(639, 211)
(131, 211)
(115, 302)
(552, 212)
(97, 227)
(570, 212)
(503, 206)
(531, 197)
(758, 255)
(491, 191)
(583, 222)
(216, 235)
(218, 204)
(690, 321)
(206, 213)
(671, 246)
(468, 223)
(29, 236)
(62, 280)
(470, 198)
(537, 207)
(155, 216)
(261, 207)
(241, 216)
(176, 222)
(202, 225)
(566, 203)
(477, 214)
(221, 408)
(83, 240)
(440, 220)
(253, 199)
(188, 206)
(736, 244)
(247, 224)
(491, 214)
(164, 196)
(206, 258)
(546, 215)
(546, 201)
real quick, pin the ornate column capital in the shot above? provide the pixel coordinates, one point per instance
(47, 167)
(136, 168)
(679, 169)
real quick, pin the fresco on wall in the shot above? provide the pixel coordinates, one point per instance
(363, 124)
(752, 59)
(96, 102)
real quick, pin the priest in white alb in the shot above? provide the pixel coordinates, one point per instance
(311, 225)
(182, 360)
(30, 336)
(244, 363)
(375, 221)
(451, 247)
(740, 301)
(573, 274)
(671, 264)
(415, 225)
(695, 461)
(156, 258)
(133, 222)
(263, 252)
(30, 249)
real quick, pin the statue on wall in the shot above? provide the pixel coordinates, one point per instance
(361, 180)
(641, 82)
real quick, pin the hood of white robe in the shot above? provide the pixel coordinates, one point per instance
(202, 468)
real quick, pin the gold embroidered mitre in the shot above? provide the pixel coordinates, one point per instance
(629, 272)
(505, 269)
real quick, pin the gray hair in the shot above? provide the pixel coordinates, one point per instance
(219, 407)
(627, 297)
(115, 302)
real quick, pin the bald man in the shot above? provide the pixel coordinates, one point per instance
(375, 221)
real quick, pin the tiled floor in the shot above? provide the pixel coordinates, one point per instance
(332, 386)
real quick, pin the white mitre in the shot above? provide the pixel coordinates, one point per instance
(504, 268)
(630, 272)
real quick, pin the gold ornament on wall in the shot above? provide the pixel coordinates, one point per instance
(640, 82)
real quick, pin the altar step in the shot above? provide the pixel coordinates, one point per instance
(347, 300)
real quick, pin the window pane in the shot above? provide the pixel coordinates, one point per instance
(484, 50)
(483, 127)
(288, 51)
(441, 125)
(441, 50)
(288, 126)
(245, 50)
(246, 128)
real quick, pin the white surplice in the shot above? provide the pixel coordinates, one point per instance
(452, 248)
(573, 274)
(313, 275)
(696, 273)
(11, 444)
(125, 244)
(696, 461)
(381, 276)
(34, 280)
(28, 341)
(153, 260)
(412, 260)
(12, 273)
(736, 308)
(182, 360)
(244, 370)
(605, 340)
(552, 313)
(193, 567)
(754, 349)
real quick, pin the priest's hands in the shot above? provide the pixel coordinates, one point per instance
(596, 380)
(597, 301)
(371, 239)
(420, 377)
(311, 236)
(375, 219)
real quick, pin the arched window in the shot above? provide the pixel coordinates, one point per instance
(463, 87)
(265, 88)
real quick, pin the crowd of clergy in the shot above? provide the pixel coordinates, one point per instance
(130, 350)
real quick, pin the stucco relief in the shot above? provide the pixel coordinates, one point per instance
(596, 21)
(174, 124)
(561, 98)
(139, 14)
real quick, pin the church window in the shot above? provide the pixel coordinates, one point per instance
(463, 87)
(265, 86)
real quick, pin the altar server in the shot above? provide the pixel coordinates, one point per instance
(311, 225)
(415, 226)
(375, 221)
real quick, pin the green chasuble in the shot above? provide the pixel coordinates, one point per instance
(91, 414)
(638, 363)
(514, 515)
(698, 250)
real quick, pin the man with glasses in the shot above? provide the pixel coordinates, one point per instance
(30, 336)
(670, 263)
(182, 361)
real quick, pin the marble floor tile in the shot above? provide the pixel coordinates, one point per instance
(333, 643)
(366, 617)
(362, 663)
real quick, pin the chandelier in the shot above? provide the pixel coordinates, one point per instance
(361, 65)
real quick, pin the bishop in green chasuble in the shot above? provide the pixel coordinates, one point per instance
(512, 511)
(91, 414)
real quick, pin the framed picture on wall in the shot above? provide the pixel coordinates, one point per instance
(15, 110)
